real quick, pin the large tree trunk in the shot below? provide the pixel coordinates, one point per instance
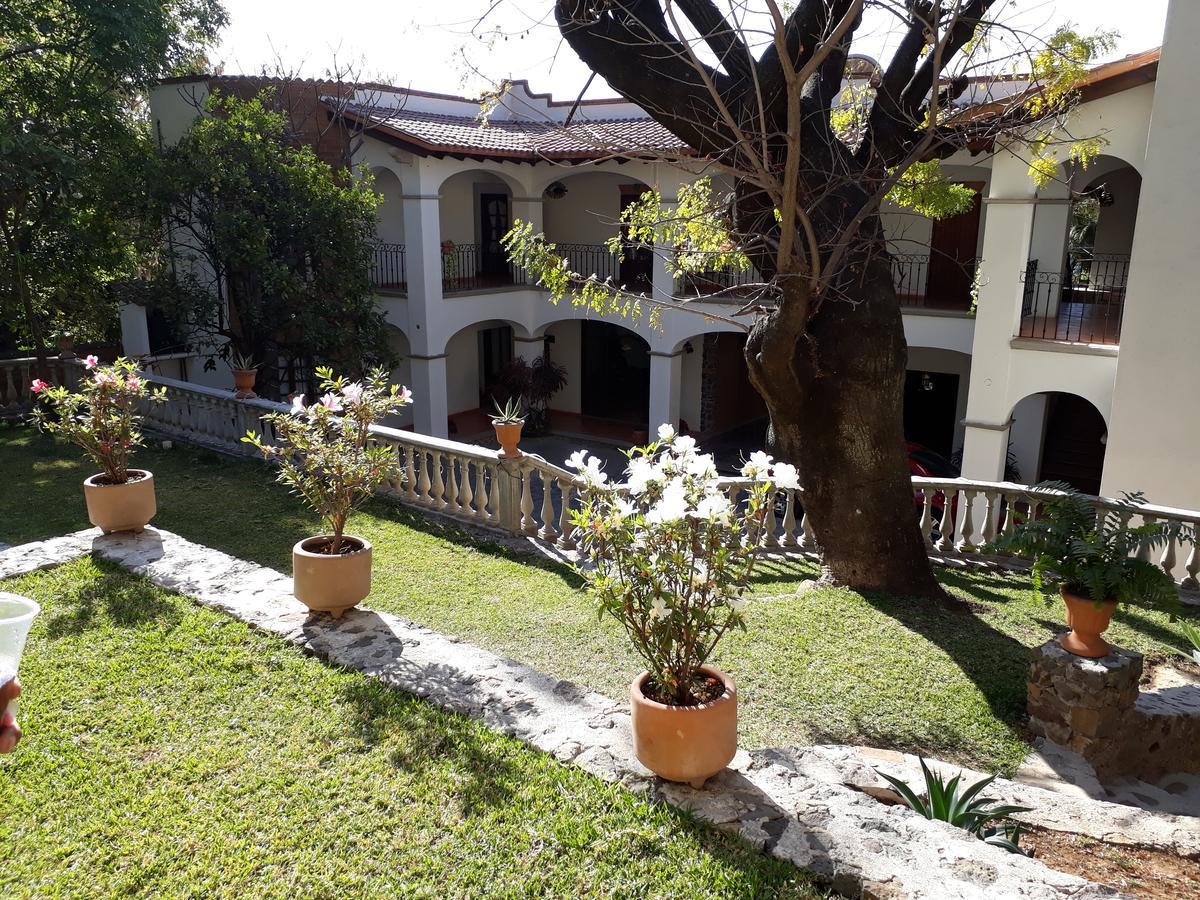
(836, 400)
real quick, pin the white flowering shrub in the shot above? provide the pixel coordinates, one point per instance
(673, 555)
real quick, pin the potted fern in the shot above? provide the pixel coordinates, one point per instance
(324, 455)
(508, 421)
(1095, 556)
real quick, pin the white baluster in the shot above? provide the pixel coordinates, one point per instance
(989, 517)
(946, 538)
(769, 522)
(451, 503)
(789, 522)
(493, 516)
(1191, 582)
(528, 523)
(465, 495)
(565, 528)
(481, 497)
(410, 476)
(548, 532)
(438, 490)
(926, 524)
(967, 532)
(423, 483)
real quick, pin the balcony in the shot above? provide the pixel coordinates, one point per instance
(944, 284)
(1083, 304)
(387, 269)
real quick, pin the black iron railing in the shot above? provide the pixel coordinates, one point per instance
(910, 272)
(387, 270)
(917, 284)
(1083, 304)
(465, 267)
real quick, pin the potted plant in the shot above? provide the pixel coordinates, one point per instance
(1094, 554)
(325, 456)
(101, 418)
(534, 383)
(508, 421)
(672, 558)
(245, 371)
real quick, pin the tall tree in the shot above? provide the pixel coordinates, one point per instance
(72, 142)
(759, 91)
(276, 244)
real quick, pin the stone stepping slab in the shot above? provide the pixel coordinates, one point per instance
(771, 798)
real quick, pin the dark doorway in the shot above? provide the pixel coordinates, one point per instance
(615, 377)
(637, 268)
(494, 224)
(1073, 446)
(495, 352)
(952, 247)
(930, 409)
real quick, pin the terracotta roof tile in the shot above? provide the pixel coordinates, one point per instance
(520, 139)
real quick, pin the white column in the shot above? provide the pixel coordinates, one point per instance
(135, 331)
(528, 349)
(666, 377)
(1006, 241)
(423, 256)
(431, 408)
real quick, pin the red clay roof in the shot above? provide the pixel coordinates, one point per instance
(441, 134)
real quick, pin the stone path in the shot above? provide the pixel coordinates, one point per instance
(792, 803)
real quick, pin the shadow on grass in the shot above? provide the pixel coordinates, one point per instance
(125, 602)
(996, 663)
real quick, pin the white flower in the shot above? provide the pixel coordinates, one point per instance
(659, 608)
(588, 467)
(672, 506)
(298, 404)
(701, 466)
(714, 506)
(352, 393)
(758, 465)
(639, 474)
(785, 477)
(684, 444)
(623, 507)
(666, 432)
(577, 460)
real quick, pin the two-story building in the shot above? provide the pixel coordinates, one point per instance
(1051, 330)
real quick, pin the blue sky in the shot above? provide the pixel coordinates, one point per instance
(434, 46)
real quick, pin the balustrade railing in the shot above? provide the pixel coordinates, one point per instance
(467, 267)
(388, 268)
(16, 376)
(532, 497)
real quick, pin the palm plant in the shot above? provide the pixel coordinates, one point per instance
(1192, 633)
(1095, 552)
(963, 806)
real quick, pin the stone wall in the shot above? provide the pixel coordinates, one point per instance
(1096, 708)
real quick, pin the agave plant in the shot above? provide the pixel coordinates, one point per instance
(963, 806)
(1192, 633)
(510, 413)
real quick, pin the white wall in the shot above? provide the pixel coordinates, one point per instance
(389, 215)
(589, 213)
(691, 383)
(567, 350)
(462, 371)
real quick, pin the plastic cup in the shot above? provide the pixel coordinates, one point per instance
(16, 617)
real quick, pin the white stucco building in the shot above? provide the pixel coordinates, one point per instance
(1078, 363)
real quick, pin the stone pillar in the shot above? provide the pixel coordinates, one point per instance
(135, 331)
(666, 377)
(1085, 705)
(431, 407)
(423, 257)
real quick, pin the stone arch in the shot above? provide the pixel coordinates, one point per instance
(936, 388)
(1063, 438)
(476, 354)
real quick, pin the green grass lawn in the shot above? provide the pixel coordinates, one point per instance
(825, 665)
(171, 751)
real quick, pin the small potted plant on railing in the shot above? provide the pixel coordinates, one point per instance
(101, 417)
(673, 556)
(508, 421)
(325, 456)
(245, 371)
(1095, 553)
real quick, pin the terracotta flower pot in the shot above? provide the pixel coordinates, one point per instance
(1088, 619)
(243, 383)
(508, 436)
(121, 507)
(331, 583)
(685, 743)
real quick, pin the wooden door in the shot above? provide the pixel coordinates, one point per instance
(952, 247)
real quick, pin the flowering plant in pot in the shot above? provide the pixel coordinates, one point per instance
(672, 558)
(325, 456)
(1096, 557)
(508, 422)
(245, 372)
(101, 417)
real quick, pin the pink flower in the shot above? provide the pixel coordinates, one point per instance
(405, 394)
(37, 385)
(132, 381)
(330, 402)
(91, 361)
(298, 404)
(353, 393)
(105, 379)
